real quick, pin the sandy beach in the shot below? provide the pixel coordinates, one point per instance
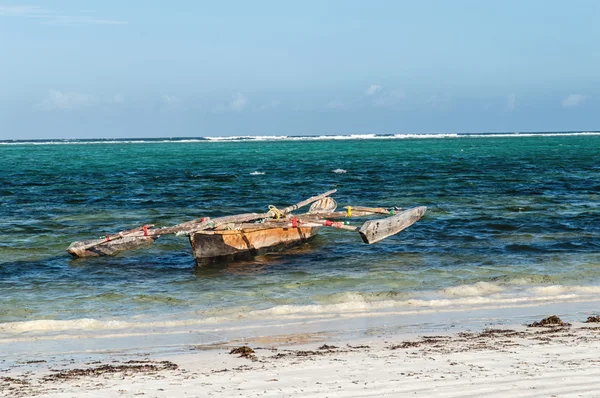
(517, 360)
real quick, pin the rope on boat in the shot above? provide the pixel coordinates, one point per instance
(277, 214)
(349, 211)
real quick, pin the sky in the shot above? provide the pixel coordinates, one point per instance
(110, 69)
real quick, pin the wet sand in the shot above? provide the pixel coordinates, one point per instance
(511, 360)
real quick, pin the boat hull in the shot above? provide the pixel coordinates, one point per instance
(221, 246)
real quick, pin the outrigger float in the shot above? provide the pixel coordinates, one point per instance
(246, 235)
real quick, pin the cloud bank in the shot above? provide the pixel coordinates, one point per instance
(335, 104)
(238, 103)
(573, 100)
(170, 99)
(63, 101)
(53, 17)
(373, 88)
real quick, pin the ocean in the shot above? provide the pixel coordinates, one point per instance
(513, 223)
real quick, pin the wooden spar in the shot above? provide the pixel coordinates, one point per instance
(375, 210)
(136, 233)
(109, 238)
(107, 248)
(308, 201)
(221, 221)
(336, 214)
(178, 227)
(218, 223)
(286, 224)
(375, 230)
(270, 223)
(114, 243)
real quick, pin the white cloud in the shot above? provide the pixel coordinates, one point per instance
(82, 20)
(170, 99)
(58, 100)
(118, 99)
(573, 100)
(439, 101)
(269, 105)
(23, 11)
(511, 101)
(53, 17)
(238, 103)
(373, 88)
(335, 104)
(390, 99)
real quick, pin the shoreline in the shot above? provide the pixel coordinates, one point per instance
(163, 335)
(492, 361)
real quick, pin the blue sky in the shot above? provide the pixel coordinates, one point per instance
(72, 69)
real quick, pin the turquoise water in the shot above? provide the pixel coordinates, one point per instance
(511, 220)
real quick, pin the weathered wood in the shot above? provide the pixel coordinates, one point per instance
(79, 249)
(325, 205)
(374, 210)
(239, 218)
(84, 248)
(214, 246)
(336, 214)
(338, 225)
(116, 244)
(108, 248)
(178, 227)
(95, 242)
(234, 238)
(221, 221)
(218, 236)
(308, 201)
(375, 230)
(233, 228)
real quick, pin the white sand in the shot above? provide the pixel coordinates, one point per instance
(530, 362)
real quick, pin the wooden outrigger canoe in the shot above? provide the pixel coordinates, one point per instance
(229, 245)
(249, 240)
(241, 236)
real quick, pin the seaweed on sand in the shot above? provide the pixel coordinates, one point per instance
(104, 369)
(244, 352)
(551, 321)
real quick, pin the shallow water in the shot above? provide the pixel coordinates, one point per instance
(512, 220)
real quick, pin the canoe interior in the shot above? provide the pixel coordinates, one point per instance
(211, 247)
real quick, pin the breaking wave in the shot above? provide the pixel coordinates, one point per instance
(463, 298)
(243, 138)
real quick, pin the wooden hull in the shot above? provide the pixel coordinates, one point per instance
(218, 246)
